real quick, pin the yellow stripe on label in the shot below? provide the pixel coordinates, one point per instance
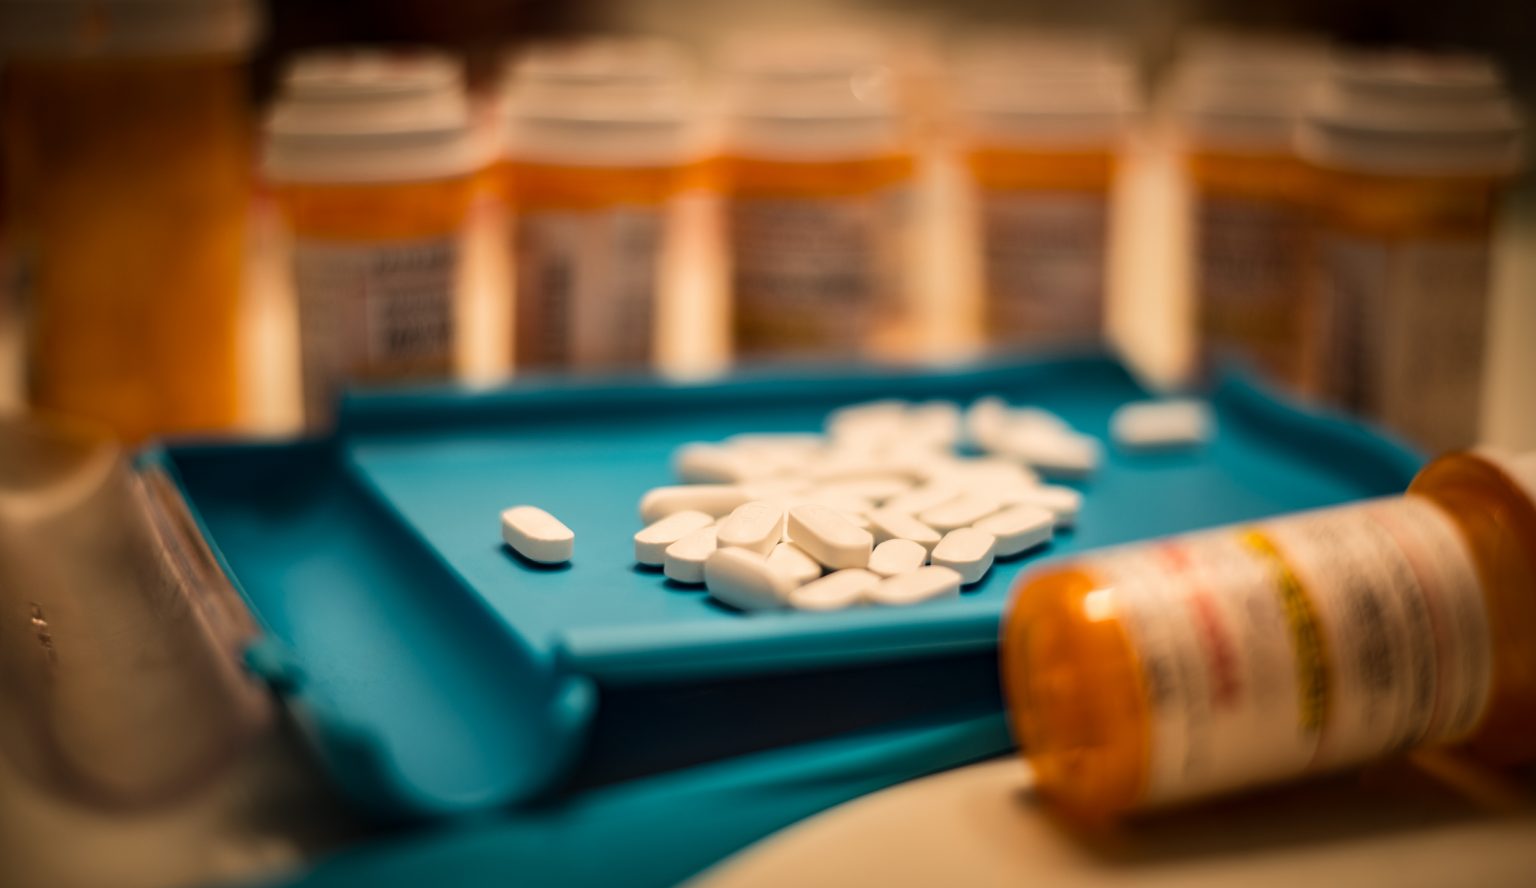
(1312, 680)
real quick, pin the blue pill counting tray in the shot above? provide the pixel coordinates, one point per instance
(438, 673)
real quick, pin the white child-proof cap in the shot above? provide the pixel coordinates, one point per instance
(1413, 114)
(1244, 91)
(127, 28)
(1038, 88)
(364, 115)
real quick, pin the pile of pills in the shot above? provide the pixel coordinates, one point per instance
(894, 504)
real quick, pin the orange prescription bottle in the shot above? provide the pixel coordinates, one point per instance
(372, 162)
(599, 142)
(1414, 153)
(1043, 130)
(1161, 672)
(125, 138)
(817, 174)
(1235, 104)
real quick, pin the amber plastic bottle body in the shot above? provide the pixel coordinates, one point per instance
(1044, 236)
(592, 303)
(815, 248)
(1402, 281)
(1078, 688)
(129, 184)
(341, 233)
(1253, 212)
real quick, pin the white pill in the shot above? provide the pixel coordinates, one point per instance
(791, 560)
(873, 489)
(714, 500)
(888, 524)
(1054, 453)
(874, 421)
(962, 512)
(967, 551)
(1063, 502)
(684, 559)
(652, 542)
(781, 488)
(835, 591)
(1152, 425)
(537, 535)
(829, 537)
(758, 526)
(1018, 529)
(986, 422)
(923, 584)
(743, 579)
(802, 443)
(985, 475)
(923, 498)
(839, 500)
(894, 557)
(713, 464)
(934, 422)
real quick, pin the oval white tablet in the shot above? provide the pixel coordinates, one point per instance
(714, 500)
(758, 526)
(1154, 425)
(923, 498)
(966, 551)
(1018, 529)
(790, 560)
(713, 464)
(652, 542)
(962, 512)
(537, 535)
(894, 557)
(835, 591)
(888, 524)
(923, 584)
(684, 559)
(1055, 454)
(1063, 502)
(743, 579)
(829, 537)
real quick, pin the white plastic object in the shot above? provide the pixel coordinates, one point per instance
(894, 557)
(791, 560)
(923, 584)
(684, 559)
(537, 535)
(715, 500)
(744, 580)
(889, 524)
(652, 542)
(1157, 425)
(962, 512)
(758, 526)
(968, 552)
(1018, 529)
(829, 537)
(835, 591)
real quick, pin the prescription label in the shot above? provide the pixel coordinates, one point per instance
(1406, 327)
(1044, 255)
(1250, 266)
(814, 277)
(586, 286)
(374, 311)
(1302, 644)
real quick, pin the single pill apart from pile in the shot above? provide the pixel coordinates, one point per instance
(1159, 425)
(966, 551)
(894, 557)
(923, 584)
(790, 560)
(829, 537)
(744, 580)
(962, 512)
(835, 591)
(888, 524)
(684, 560)
(758, 526)
(537, 535)
(715, 500)
(1017, 529)
(652, 542)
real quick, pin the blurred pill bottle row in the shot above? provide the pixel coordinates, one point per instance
(1160, 673)
(1235, 100)
(126, 144)
(372, 162)
(1043, 123)
(600, 138)
(1412, 154)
